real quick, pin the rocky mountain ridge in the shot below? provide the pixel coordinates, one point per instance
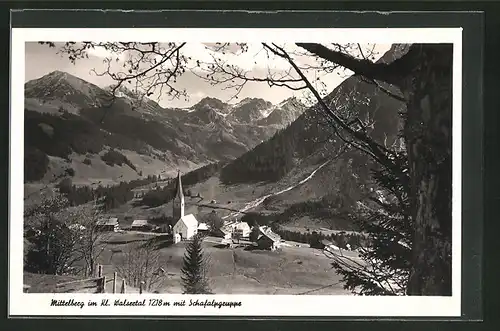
(209, 131)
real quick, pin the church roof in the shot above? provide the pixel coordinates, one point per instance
(189, 220)
(178, 189)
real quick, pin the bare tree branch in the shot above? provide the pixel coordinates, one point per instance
(380, 71)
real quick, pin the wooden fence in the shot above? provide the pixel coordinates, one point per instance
(98, 283)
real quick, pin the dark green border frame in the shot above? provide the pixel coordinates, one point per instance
(472, 112)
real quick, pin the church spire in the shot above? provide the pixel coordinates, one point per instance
(178, 203)
(179, 192)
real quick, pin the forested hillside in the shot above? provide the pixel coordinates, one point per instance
(365, 105)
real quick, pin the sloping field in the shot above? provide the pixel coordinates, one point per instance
(237, 271)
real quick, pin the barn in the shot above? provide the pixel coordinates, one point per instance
(268, 239)
(110, 224)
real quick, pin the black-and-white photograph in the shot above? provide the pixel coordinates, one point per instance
(243, 168)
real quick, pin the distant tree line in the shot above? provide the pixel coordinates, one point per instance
(201, 174)
(111, 196)
(157, 197)
(327, 209)
(333, 209)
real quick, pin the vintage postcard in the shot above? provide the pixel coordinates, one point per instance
(241, 172)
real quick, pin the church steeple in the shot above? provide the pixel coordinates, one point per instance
(178, 203)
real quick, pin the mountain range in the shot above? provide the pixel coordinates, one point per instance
(78, 114)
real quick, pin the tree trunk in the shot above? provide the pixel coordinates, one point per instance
(428, 140)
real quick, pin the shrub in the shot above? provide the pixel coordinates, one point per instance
(113, 157)
(36, 164)
(65, 186)
(213, 220)
(70, 171)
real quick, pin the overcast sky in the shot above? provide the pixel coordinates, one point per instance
(41, 60)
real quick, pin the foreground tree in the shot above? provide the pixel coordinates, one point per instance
(194, 269)
(50, 242)
(213, 221)
(91, 241)
(423, 77)
(141, 264)
(386, 221)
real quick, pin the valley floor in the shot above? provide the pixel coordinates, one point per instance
(293, 270)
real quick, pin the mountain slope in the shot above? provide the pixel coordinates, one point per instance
(249, 110)
(310, 139)
(284, 113)
(62, 90)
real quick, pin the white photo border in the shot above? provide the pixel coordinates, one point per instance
(35, 304)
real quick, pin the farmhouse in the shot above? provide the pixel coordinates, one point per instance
(268, 239)
(110, 224)
(187, 225)
(242, 229)
(140, 225)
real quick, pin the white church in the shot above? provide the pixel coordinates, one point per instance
(187, 225)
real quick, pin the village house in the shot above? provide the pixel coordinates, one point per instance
(242, 229)
(268, 239)
(187, 225)
(110, 224)
(140, 225)
(203, 228)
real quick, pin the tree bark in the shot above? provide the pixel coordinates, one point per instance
(428, 137)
